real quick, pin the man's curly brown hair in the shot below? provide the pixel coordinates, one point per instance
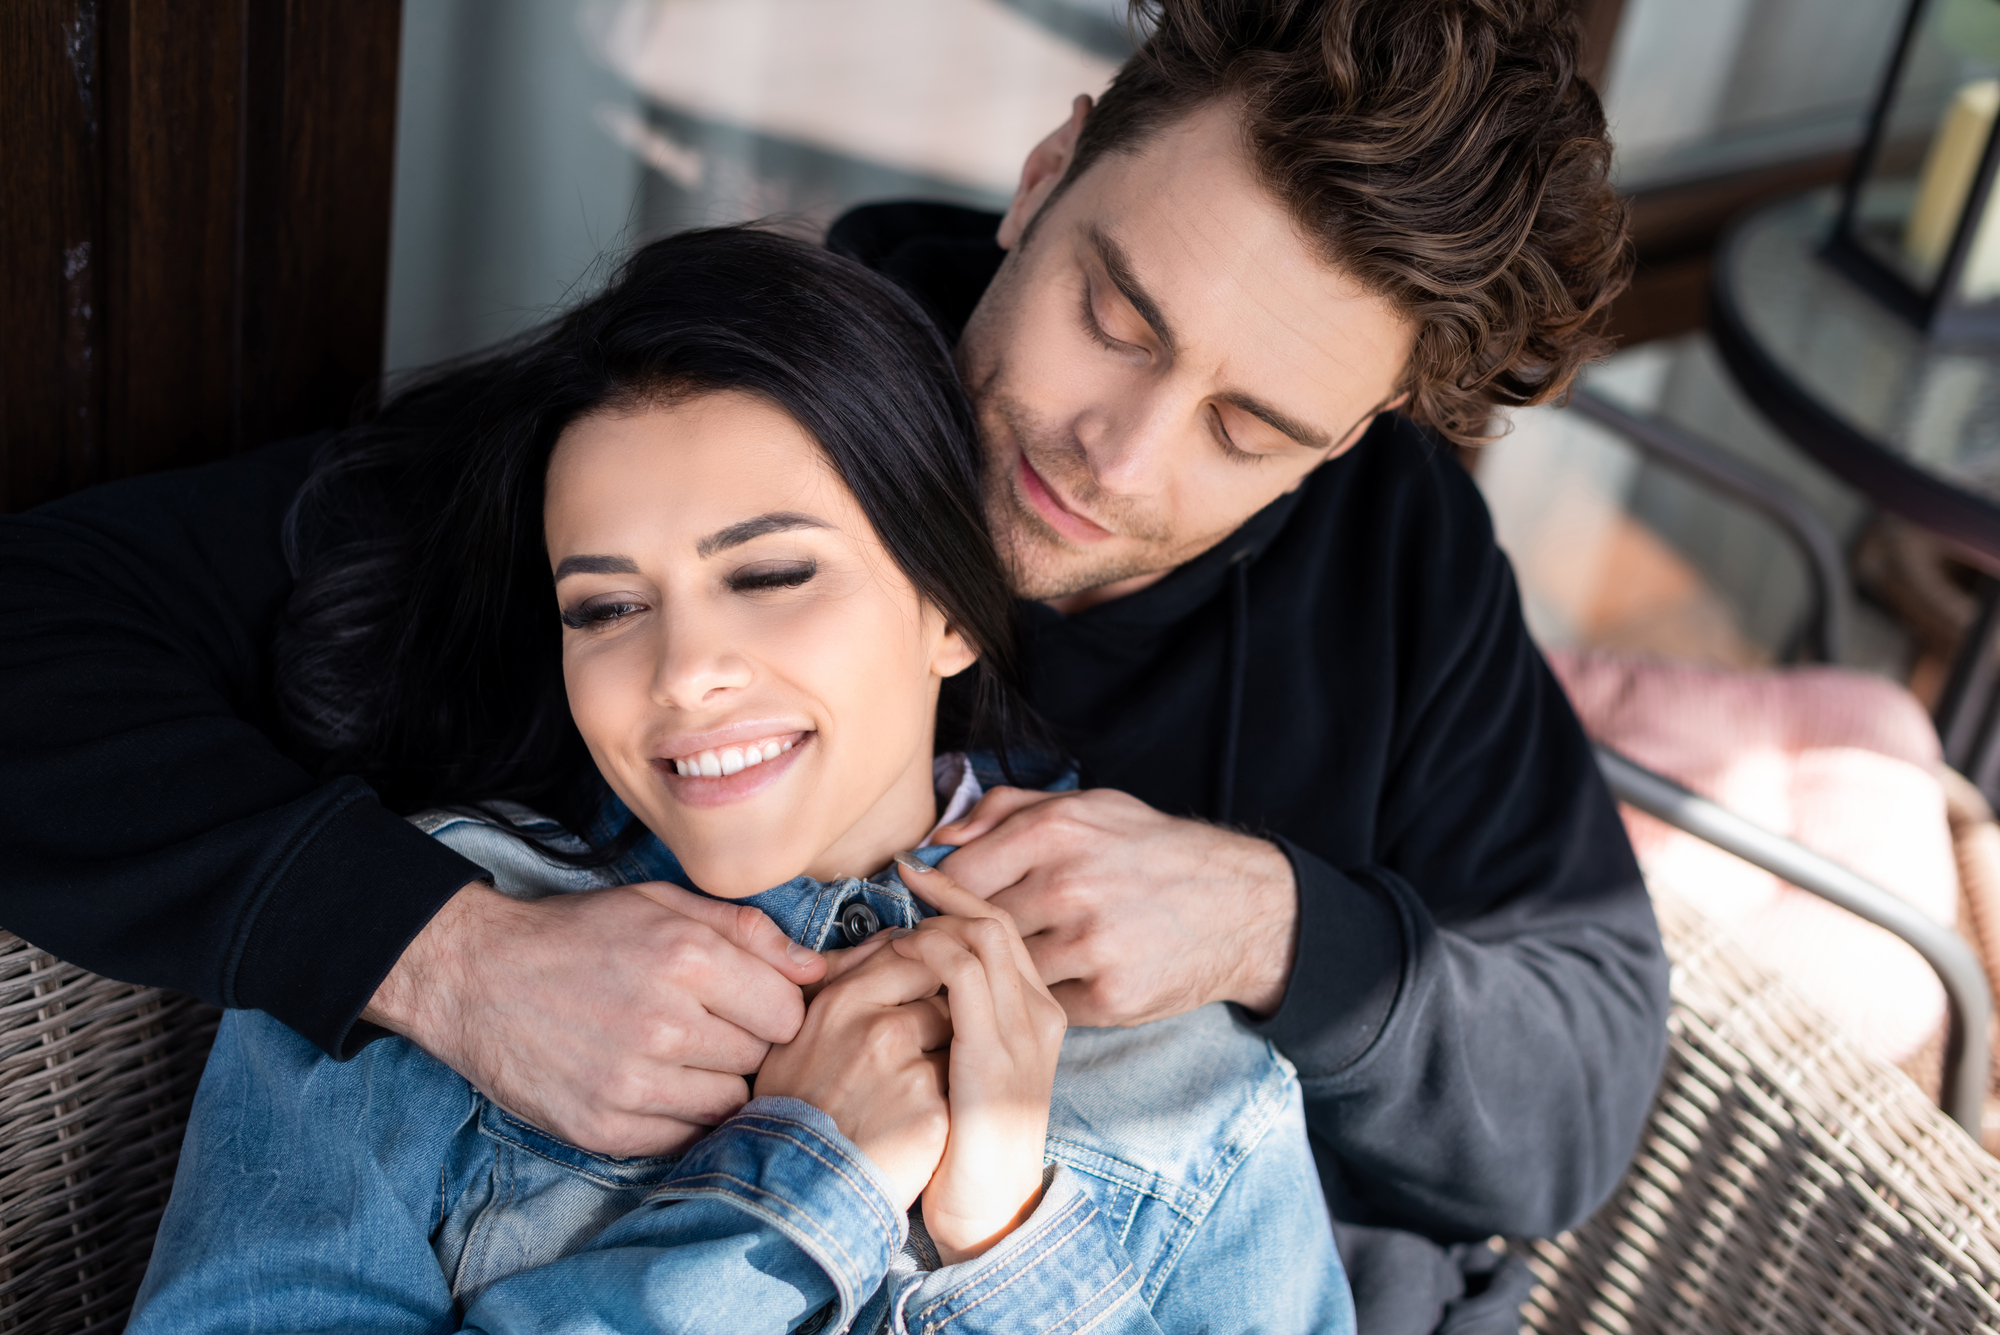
(1447, 153)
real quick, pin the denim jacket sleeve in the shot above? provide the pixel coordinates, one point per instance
(777, 1204)
(311, 1193)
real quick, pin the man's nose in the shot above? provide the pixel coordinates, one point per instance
(1129, 449)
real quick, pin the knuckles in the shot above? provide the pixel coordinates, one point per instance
(753, 926)
(993, 933)
(1112, 995)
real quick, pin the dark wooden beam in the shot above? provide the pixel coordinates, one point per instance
(321, 144)
(1674, 232)
(194, 228)
(1597, 22)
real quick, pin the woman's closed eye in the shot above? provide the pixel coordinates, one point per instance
(771, 575)
(601, 611)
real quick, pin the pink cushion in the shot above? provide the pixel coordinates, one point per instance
(1838, 760)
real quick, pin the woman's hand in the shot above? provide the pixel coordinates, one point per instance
(870, 1056)
(1007, 1035)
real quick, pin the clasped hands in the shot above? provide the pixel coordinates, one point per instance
(625, 1020)
(934, 1050)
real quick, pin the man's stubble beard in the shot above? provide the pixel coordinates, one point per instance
(1040, 562)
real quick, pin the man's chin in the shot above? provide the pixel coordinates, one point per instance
(1041, 575)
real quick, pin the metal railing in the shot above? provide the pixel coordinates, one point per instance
(1966, 1052)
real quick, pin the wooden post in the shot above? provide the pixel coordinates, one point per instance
(194, 228)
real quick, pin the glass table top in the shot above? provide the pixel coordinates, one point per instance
(1935, 407)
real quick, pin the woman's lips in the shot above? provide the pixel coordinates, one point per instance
(688, 779)
(1063, 519)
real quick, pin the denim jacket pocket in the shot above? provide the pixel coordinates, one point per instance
(1156, 1119)
(529, 1198)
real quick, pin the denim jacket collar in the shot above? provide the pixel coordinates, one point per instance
(828, 915)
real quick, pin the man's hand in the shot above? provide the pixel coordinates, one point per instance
(621, 1020)
(1131, 915)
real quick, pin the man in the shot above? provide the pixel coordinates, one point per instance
(1332, 781)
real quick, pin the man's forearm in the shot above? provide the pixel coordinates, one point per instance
(155, 831)
(1504, 1086)
(1267, 928)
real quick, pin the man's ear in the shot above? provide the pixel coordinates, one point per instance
(1047, 161)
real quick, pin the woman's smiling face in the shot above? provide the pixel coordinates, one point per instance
(724, 597)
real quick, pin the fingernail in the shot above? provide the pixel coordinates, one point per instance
(909, 861)
(799, 954)
(898, 933)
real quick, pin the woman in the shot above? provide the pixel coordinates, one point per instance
(685, 587)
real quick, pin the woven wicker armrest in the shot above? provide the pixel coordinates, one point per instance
(96, 1079)
(1785, 1182)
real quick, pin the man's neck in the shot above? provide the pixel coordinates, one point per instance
(1069, 604)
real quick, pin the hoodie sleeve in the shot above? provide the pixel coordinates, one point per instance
(153, 831)
(1478, 1014)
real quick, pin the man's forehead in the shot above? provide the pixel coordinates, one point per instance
(1231, 274)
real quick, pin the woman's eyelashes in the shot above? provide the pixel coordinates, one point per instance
(604, 610)
(595, 614)
(772, 575)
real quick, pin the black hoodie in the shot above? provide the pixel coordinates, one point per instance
(1478, 1011)
(1478, 1008)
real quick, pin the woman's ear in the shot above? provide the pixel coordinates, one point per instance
(1047, 161)
(953, 654)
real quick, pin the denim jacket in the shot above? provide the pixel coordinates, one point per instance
(386, 1194)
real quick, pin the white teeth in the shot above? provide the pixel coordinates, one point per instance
(730, 759)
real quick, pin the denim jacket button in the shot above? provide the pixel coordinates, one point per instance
(858, 922)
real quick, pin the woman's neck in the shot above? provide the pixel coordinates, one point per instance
(901, 819)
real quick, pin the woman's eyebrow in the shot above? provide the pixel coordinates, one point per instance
(777, 521)
(595, 565)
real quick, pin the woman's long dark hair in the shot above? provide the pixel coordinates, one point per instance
(421, 648)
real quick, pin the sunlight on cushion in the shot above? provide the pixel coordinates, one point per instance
(1837, 760)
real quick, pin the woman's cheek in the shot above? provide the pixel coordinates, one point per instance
(606, 700)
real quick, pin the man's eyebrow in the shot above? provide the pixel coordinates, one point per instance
(777, 521)
(1119, 268)
(1310, 437)
(595, 565)
(1112, 256)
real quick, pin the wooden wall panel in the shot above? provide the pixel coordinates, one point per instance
(194, 228)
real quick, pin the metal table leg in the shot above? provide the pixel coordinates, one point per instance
(1968, 710)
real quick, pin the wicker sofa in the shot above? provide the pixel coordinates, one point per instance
(1785, 1182)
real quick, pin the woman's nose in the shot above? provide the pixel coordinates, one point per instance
(695, 666)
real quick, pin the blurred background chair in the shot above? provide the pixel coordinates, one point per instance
(1844, 761)
(96, 1079)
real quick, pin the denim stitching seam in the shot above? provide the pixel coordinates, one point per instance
(1022, 1266)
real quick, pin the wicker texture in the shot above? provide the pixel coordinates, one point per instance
(1785, 1182)
(96, 1079)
